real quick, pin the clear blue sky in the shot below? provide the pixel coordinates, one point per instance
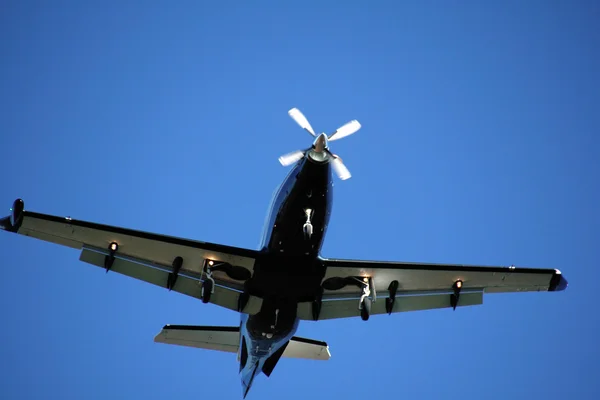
(479, 146)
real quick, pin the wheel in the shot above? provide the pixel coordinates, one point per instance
(365, 310)
(207, 287)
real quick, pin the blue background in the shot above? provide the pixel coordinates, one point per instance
(479, 146)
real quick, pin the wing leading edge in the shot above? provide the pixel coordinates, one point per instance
(145, 256)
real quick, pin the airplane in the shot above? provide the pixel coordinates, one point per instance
(286, 280)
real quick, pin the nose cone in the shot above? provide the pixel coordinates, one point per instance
(321, 143)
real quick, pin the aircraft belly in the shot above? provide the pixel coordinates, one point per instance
(302, 210)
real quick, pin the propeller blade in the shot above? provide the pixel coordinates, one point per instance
(290, 158)
(345, 130)
(301, 120)
(340, 169)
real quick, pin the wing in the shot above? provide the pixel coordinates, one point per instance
(404, 286)
(173, 263)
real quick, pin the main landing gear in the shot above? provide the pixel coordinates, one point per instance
(365, 284)
(234, 272)
(208, 285)
(365, 302)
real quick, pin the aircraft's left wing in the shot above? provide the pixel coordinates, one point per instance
(174, 263)
(405, 286)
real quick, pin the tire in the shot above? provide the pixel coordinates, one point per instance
(207, 287)
(365, 310)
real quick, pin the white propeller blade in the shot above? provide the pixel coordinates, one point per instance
(340, 169)
(345, 130)
(301, 120)
(290, 158)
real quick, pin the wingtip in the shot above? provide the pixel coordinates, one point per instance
(558, 283)
(13, 222)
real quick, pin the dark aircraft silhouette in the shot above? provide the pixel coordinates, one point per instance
(286, 280)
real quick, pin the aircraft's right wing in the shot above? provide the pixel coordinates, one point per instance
(406, 286)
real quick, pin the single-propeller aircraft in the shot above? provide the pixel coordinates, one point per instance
(286, 279)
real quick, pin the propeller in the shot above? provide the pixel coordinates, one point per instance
(320, 149)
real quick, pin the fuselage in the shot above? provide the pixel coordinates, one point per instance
(289, 271)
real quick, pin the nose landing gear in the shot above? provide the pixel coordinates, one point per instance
(308, 228)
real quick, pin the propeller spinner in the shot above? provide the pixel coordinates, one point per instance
(320, 148)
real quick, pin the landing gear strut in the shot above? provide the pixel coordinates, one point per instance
(208, 286)
(364, 304)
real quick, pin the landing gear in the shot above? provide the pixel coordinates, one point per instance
(208, 286)
(365, 284)
(365, 308)
(365, 302)
(276, 318)
(308, 228)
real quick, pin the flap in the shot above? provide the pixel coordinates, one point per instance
(191, 286)
(422, 277)
(347, 308)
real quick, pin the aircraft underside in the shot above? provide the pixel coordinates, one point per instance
(286, 280)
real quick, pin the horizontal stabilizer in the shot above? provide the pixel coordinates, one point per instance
(220, 338)
(307, 348)
(227, 338)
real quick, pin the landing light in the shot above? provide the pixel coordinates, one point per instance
(458, 284)
(114, 246)
(211, 263)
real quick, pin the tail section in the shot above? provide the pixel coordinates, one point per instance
(227, 339)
